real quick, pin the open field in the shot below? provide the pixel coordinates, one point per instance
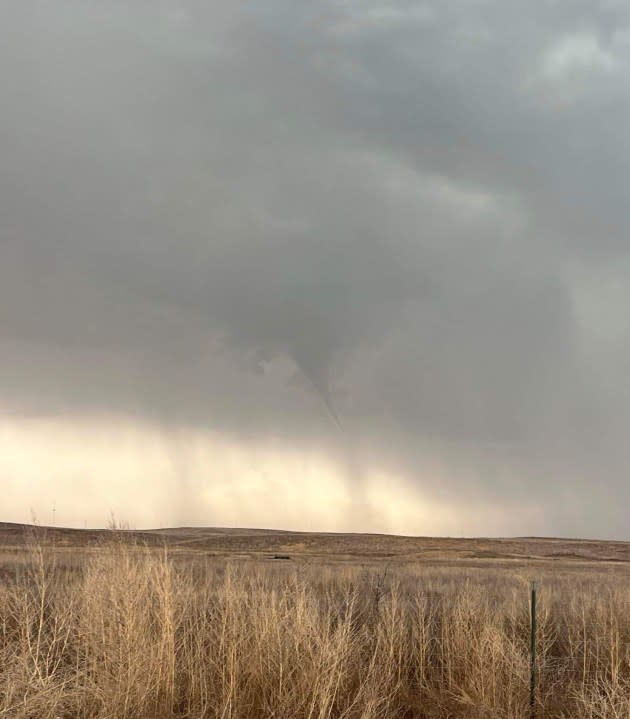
(259, 544)
(253, 623)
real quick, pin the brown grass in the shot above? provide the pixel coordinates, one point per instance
(127, 631)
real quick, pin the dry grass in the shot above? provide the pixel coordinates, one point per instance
(127, 631)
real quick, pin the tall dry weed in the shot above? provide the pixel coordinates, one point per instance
(132, 633)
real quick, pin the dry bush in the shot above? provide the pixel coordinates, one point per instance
(131, 633)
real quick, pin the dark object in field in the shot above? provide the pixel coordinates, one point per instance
(281, 556)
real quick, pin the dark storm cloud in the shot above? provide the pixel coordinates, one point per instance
(213, 212)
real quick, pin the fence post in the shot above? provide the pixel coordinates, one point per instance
(532, 647)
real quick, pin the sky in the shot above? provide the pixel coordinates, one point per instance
(329, 265)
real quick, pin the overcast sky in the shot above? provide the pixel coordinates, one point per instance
(322, 265)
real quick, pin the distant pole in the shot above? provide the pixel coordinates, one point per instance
(532, 642)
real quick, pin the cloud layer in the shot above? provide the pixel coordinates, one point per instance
(393, 236)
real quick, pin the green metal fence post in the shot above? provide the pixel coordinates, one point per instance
(532, 646)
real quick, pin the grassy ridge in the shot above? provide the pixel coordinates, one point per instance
(131, 632)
